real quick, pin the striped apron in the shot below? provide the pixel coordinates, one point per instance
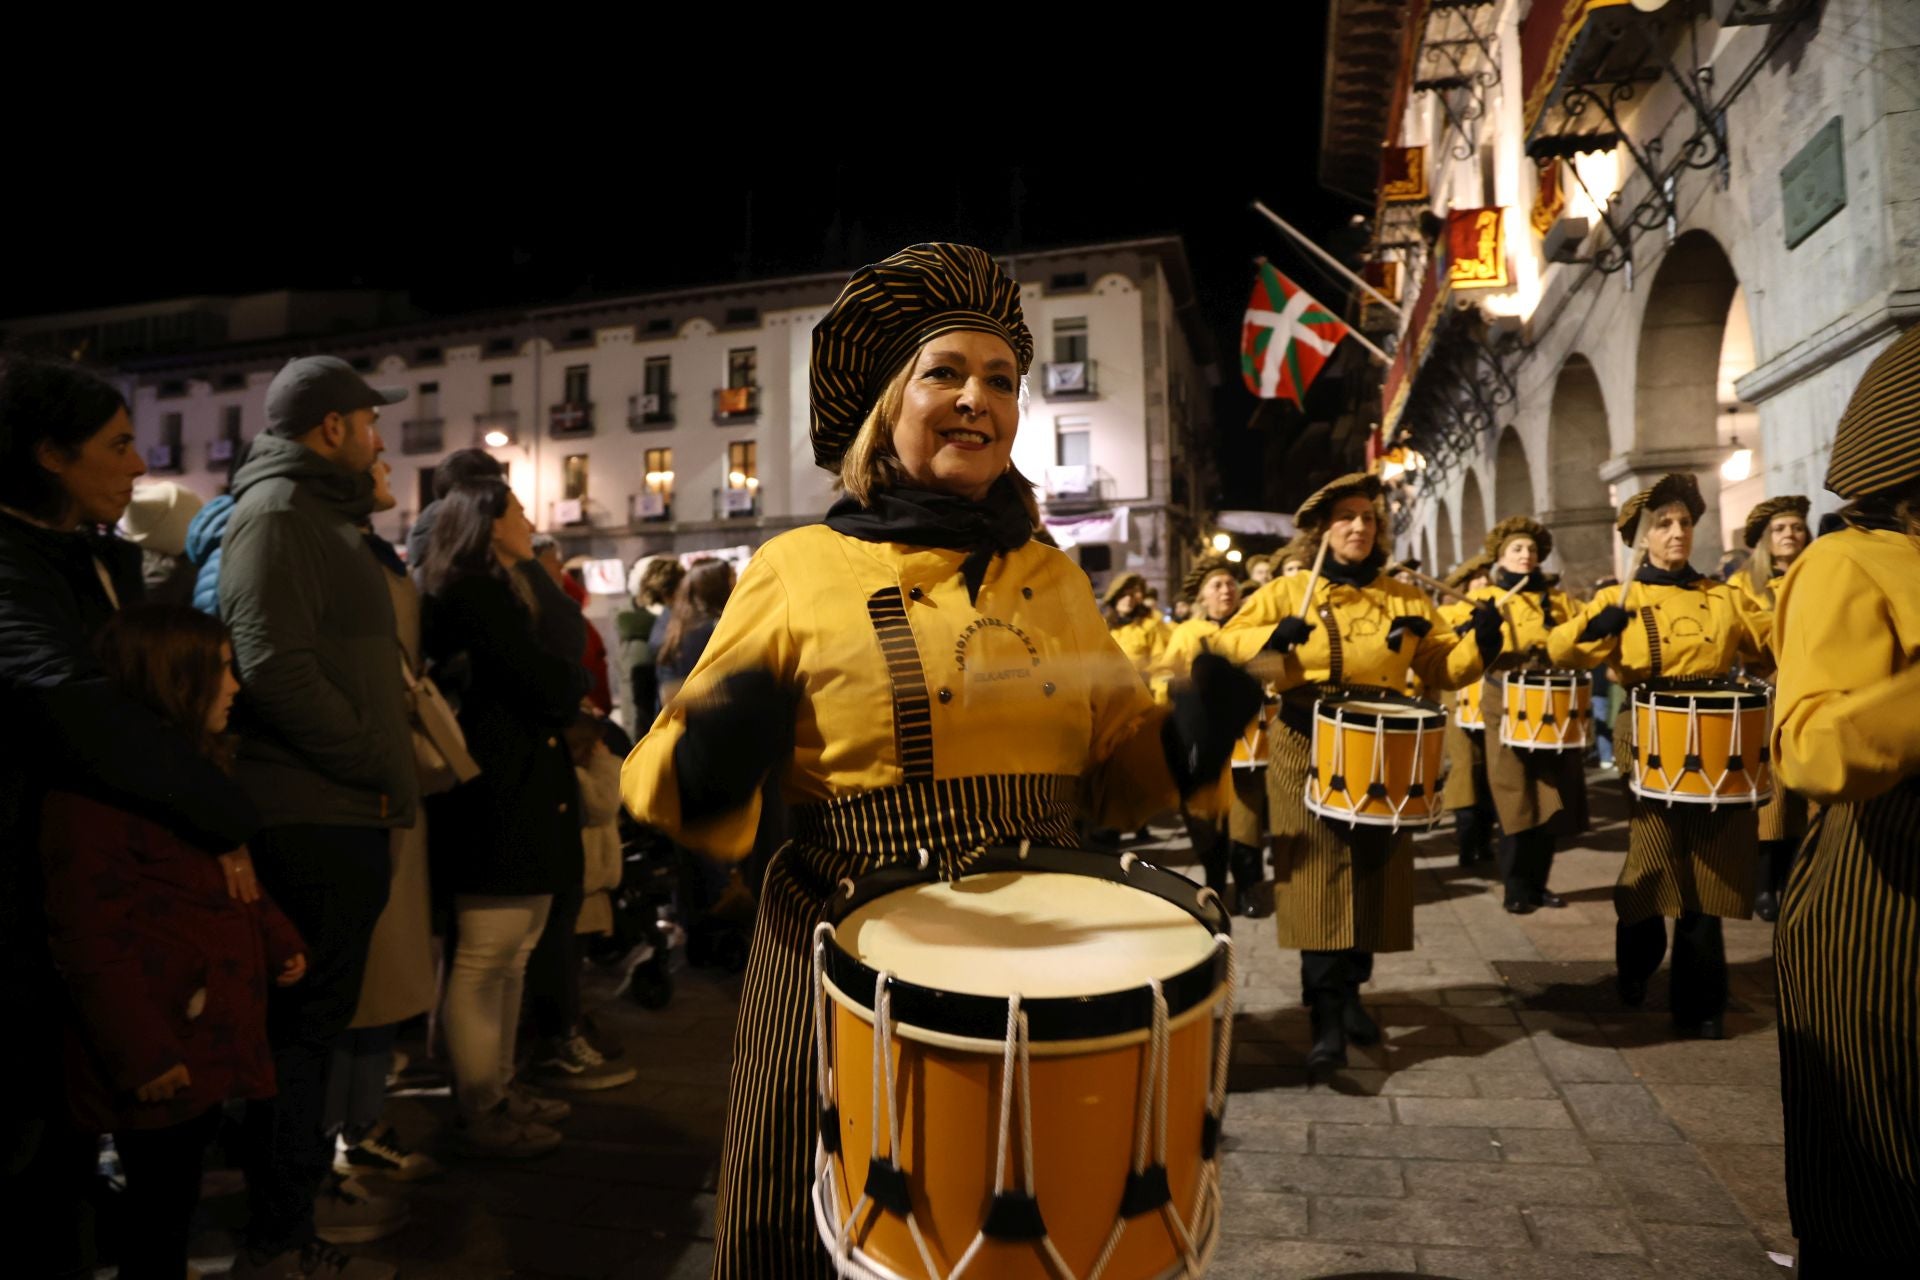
(1847, 949)
(764, 1228)
(1334, 886)
(1531, 788)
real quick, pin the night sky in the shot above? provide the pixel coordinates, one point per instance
(529, 212)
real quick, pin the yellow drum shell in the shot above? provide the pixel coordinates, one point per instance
(1250, 748)
(1376, 761)
(1467, 711)
(1546, 710)
(1686, 739)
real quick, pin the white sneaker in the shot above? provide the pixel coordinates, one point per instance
(382, 1152)
(345, 1213)
(498, 1135)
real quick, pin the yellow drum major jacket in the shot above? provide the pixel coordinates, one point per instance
(1701, 631)
(906, 684)
(1143, 638)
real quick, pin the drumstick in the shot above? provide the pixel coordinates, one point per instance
(1306, 597)
(1432, 584)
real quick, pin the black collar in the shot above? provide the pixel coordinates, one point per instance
(1334, 569)
(1654, 576)
(995, 525)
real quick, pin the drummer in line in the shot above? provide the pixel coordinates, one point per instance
(1776, 534)
(1140, 632)
(1692, 863)
(1343, 893)
(1539, 795)
(1466, 794)
(925, 675)
(1227, 822)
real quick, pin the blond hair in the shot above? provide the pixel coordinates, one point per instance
(871, 465)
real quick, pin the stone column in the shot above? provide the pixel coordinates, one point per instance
(1583, 542)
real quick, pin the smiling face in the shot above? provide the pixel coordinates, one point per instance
(1520, 555)
(1355, 526)
(1219, 596)
(1669, 536)
(98, 477)
(959, 414)
(1786, 538)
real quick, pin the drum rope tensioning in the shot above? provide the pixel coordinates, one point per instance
(1014, 1216)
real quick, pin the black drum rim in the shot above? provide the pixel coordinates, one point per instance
(1541, 679)
(1096, 1016)
(1431, 714)
(1678, 694)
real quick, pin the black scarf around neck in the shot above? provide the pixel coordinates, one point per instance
(1654, 576)
(1334, 569)
(995, 525)
(1533, 584)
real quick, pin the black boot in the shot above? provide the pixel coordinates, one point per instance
(1359, 1026)
(1256, 901)
(1471, 831)
(1329, 1032)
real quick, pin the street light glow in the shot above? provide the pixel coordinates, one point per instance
(1221, 542)
(496, 439)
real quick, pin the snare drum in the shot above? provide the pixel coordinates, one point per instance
(1250, 748)
(1702, 742)
(1022, 1071)
(1467, 712)
(1546, 710)
(1376, 759)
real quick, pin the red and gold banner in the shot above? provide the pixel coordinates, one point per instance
(1549, 197)
(1548, 32)
(1409, 55)
(1413, 347)
(1403, 175)
(1383, 276)
(1477, 249)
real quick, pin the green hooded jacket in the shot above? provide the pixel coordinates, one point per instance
(322, 717)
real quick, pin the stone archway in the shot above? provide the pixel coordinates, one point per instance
(1473, 517)
(1512, 478)
(1677, 380)
(1446, 550)
(1579, 511)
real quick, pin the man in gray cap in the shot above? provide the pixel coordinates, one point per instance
(326, 753)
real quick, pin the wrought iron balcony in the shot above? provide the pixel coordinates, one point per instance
(1069, 380)
(423, 435)
(736, 404)
(649, 411)
(570, 420)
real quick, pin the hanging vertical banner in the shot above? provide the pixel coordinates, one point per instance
(1549, 198)
(1403, 174)
(1477, 249)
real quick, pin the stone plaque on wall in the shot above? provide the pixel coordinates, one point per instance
(1813, 185)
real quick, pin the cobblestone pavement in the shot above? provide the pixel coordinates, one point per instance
(1516, 1123)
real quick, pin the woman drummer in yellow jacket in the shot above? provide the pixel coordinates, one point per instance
(1466, 794)
(1689, 862)
(1539, 795)
(1847, 947)
(1776, 534)
(925, 676)
(1140, 632)
(1343, 893)
(1227, 822)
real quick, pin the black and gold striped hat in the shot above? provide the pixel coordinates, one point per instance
(1121, 585)
(883, 316)
(1761, 516)
(1679, 486)
(1877, 444)
(1317, 511)
(1519, 527)
(1469, 569)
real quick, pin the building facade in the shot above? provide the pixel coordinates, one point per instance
(1626, 238)
(677, 422)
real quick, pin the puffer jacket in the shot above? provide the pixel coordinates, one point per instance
(203, 552)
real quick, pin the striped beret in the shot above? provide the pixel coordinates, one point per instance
(1679, 486)
(1317, 510)
(1469, 569)
(1519, 527)
(1203, 568)
(1790, 504)
(1877, 445)
(884, 315)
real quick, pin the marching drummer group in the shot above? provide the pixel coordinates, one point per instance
(1013, 710)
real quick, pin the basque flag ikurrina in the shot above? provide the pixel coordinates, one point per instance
(1286, 339)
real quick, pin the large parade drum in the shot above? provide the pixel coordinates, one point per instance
(1250, 748)
(1022, 1071)
(1546, 710)
(1702, 742)
(1467, 712)
(1376, 759)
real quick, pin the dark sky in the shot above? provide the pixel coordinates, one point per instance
(547, 205)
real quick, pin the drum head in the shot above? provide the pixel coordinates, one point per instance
(1072, 932)
(1723, 695)
(1381, 707)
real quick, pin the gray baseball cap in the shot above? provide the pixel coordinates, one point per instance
(303, 393)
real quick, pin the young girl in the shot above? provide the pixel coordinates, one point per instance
(166, 967)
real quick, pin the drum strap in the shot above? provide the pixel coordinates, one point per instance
(1335, 658)
(1653, 639)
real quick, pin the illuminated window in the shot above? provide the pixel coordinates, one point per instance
(574, 476)
(743, 367)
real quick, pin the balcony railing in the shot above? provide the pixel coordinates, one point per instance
(649, 507)
(164, 459)
(496, 429)
(1069, 380)
(423, 435)
(736, 503)
(650, 410)
(1083, 483)
(220, 452)
(736, 404)
(570, 421)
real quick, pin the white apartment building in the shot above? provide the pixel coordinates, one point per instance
(1628, 237)
(677, 421)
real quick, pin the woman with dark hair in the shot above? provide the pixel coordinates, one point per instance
(67, 466)
(166, 972)
(504, 843)
(1847, 945)
(652, 584)
(925, 678)
(683, 631)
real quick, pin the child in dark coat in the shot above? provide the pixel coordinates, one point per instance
(166, 950)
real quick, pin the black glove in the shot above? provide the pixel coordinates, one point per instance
(1209, 714)
(1292, 631)
(1407, 625)
(1610, 621)
(1488, 632)
(732, 738)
